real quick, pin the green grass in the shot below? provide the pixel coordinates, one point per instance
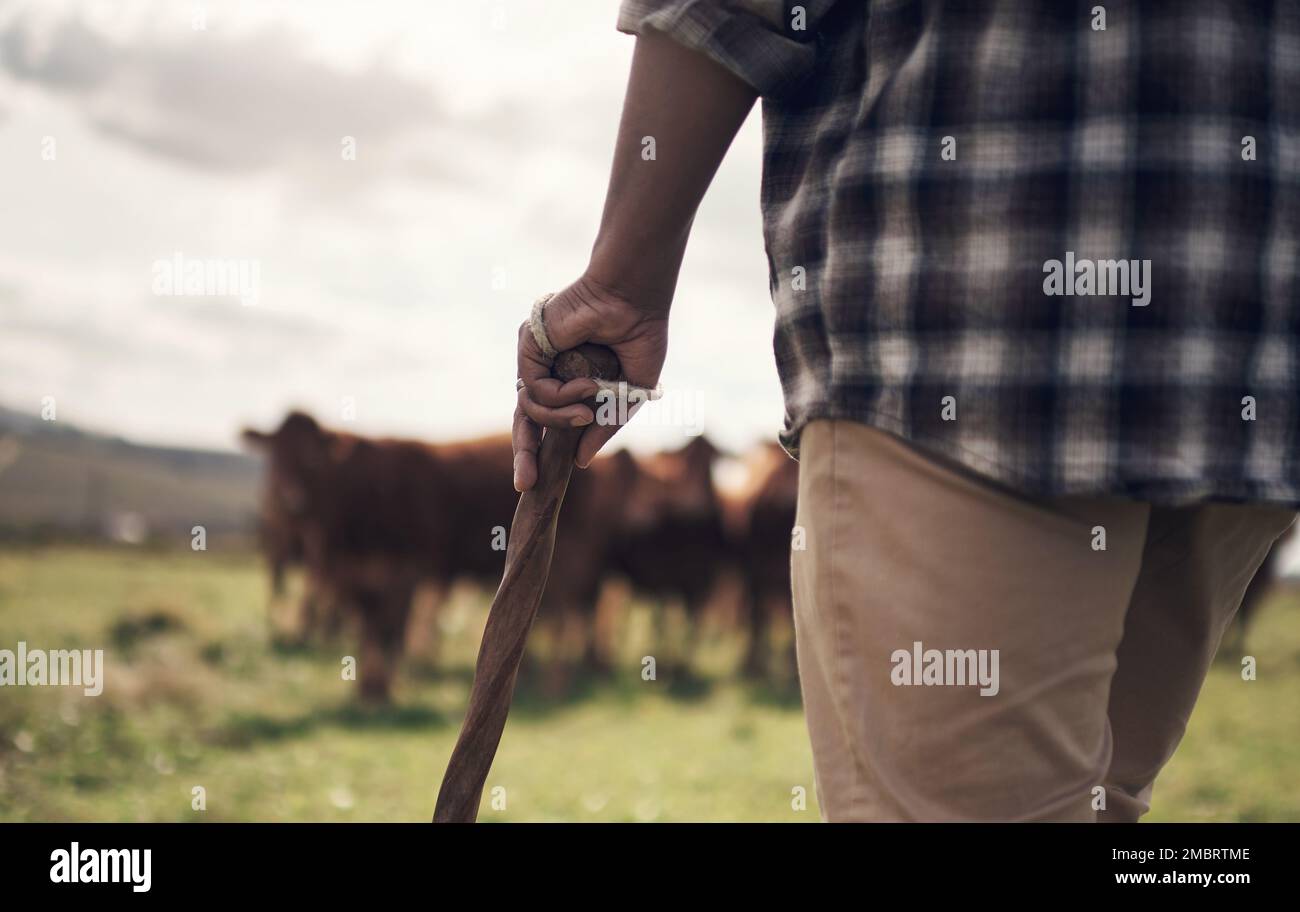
(195, 695)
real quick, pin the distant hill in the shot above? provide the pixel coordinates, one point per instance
(58, 480)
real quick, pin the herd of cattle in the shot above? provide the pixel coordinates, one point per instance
(373, 520)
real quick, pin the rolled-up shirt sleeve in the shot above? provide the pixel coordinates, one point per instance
(770, 44)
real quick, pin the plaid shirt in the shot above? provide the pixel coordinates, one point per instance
(925, 161)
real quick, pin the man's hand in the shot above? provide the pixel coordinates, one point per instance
(692, 108)
(583, 312)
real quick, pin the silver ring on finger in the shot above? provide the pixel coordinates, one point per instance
(519, 384)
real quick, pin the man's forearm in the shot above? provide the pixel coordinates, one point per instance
(692, 108)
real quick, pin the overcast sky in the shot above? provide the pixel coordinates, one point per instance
(483, 136)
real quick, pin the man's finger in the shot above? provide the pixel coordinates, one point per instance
(551, 393)
(577, 415)
(525, 438)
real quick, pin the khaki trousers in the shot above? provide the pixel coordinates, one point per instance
(1100, 653)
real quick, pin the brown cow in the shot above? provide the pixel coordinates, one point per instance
(376, 517)
(283, 524)
(281, 534)
(672, 542)
(762, 524)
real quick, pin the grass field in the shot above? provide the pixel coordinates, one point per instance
(195, 695)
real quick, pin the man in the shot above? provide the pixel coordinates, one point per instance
(1034, 266)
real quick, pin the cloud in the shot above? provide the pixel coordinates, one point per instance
(379, 276)
(239, 104)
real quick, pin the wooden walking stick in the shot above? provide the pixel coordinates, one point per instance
(528, 562)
